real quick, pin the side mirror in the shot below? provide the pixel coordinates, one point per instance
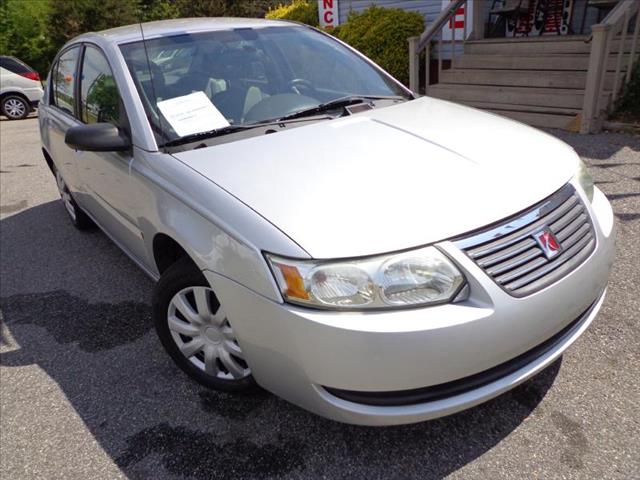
(97, 137)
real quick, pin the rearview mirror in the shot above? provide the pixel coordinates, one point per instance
(97, 137)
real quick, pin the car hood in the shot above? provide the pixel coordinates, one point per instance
(390, 178)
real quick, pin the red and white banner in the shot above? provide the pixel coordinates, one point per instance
(465, 12)
(328, 13)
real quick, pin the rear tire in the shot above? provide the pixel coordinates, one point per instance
(195, 332)
(14, 107)
(78, 218)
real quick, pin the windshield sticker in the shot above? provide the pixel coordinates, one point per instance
(193, 113)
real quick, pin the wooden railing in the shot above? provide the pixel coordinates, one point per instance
(420, 44)
(613, 29)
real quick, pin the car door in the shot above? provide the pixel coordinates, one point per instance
(105, 175)
(61, 115)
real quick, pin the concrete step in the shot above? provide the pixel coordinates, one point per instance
(542, 97)
(577, 62)
(538, 45)
(520, 78)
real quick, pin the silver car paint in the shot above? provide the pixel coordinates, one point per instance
(225, 226)
(336, 176)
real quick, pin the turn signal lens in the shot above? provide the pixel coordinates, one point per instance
(293, 281)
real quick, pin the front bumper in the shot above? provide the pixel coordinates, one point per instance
(303, 354)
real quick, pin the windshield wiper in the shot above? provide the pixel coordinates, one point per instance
(338, 103)
(194, 137)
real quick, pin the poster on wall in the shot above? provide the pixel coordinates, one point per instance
(545, 17)
(328, 13)
(465, 12)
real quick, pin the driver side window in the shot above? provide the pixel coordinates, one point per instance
(99, 97)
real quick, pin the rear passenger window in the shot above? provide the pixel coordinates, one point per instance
(64, 80)
(99, 97)
(13, 65)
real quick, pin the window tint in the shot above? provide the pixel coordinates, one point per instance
(63, 80)
(99, 97)
(14, 65)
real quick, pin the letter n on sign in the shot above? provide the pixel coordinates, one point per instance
(328, 13)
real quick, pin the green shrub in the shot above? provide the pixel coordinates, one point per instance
(305, 11)
(382, 34)
(627, 107)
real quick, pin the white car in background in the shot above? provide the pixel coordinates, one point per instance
(20, 88)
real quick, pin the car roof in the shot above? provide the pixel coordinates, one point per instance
(131, 33)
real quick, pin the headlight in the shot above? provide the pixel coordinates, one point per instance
(584, 179)
(421, 277)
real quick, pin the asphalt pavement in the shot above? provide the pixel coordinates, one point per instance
(86, 391)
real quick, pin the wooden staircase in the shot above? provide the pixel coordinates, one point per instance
(568, 82)
(536, 80)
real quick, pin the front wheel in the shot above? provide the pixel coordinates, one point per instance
(196, 332)
(14, 107)
(79, 219)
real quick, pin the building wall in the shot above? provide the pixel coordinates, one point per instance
(430, 9)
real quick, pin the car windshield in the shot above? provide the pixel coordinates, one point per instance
(249, 76)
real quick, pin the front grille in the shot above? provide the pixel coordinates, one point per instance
(510, 255)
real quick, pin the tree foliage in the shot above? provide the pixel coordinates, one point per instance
(34, 30)
(305, 11)
(23, 31)
(382, 34)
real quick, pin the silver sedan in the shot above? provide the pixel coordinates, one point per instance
(317, 229)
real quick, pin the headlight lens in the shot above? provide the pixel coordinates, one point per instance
(421, 277)
(585, 180)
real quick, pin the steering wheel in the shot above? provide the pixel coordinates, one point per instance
(301, 82)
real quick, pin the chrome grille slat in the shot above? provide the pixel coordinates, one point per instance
(576, 236)
(520, 234)
(510, 255)
(551, 265)
(560, 272)
(511, 251)
(568, 218)
(572, 227)
(523, 270)
(514, 262)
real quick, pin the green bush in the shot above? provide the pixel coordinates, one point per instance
(627, 107)
(305, 11)
(382, 34)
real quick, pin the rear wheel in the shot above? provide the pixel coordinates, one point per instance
(196, 332)
(14, 107)
(79, 219)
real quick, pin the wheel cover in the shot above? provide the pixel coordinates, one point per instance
(66, 197)
(200, 329)
(14, 108)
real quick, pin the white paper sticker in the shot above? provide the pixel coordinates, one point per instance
(193, 113)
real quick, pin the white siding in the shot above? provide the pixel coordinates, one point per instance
(428, 8)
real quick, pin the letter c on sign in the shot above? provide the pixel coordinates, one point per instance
(328, 17)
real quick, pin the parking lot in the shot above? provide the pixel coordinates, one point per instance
(86, 390)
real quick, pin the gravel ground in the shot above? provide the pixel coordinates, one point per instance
(87, 391)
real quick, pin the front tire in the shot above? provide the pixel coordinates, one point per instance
(195, 331)
(78, 218)
(15, 107)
